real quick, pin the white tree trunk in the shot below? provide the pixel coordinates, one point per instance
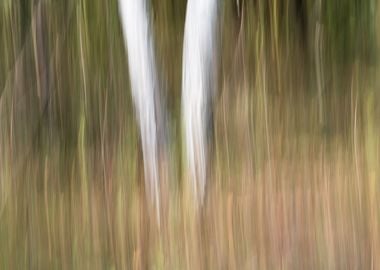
(142, 71)
(197, 82)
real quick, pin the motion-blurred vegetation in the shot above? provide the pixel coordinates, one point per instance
(296, 148)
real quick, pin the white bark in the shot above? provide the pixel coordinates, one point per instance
(198, 53)
(138, 40)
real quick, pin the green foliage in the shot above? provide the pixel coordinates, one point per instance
(350, 26)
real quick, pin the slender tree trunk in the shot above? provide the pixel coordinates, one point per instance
(198, 85)
(41, 53)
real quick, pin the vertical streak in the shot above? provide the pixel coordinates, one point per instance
(139, 43)
(41, 54)
(318, 60)
(198, 57)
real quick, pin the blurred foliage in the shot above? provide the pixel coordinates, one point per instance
(293, 173)
(351, 28)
